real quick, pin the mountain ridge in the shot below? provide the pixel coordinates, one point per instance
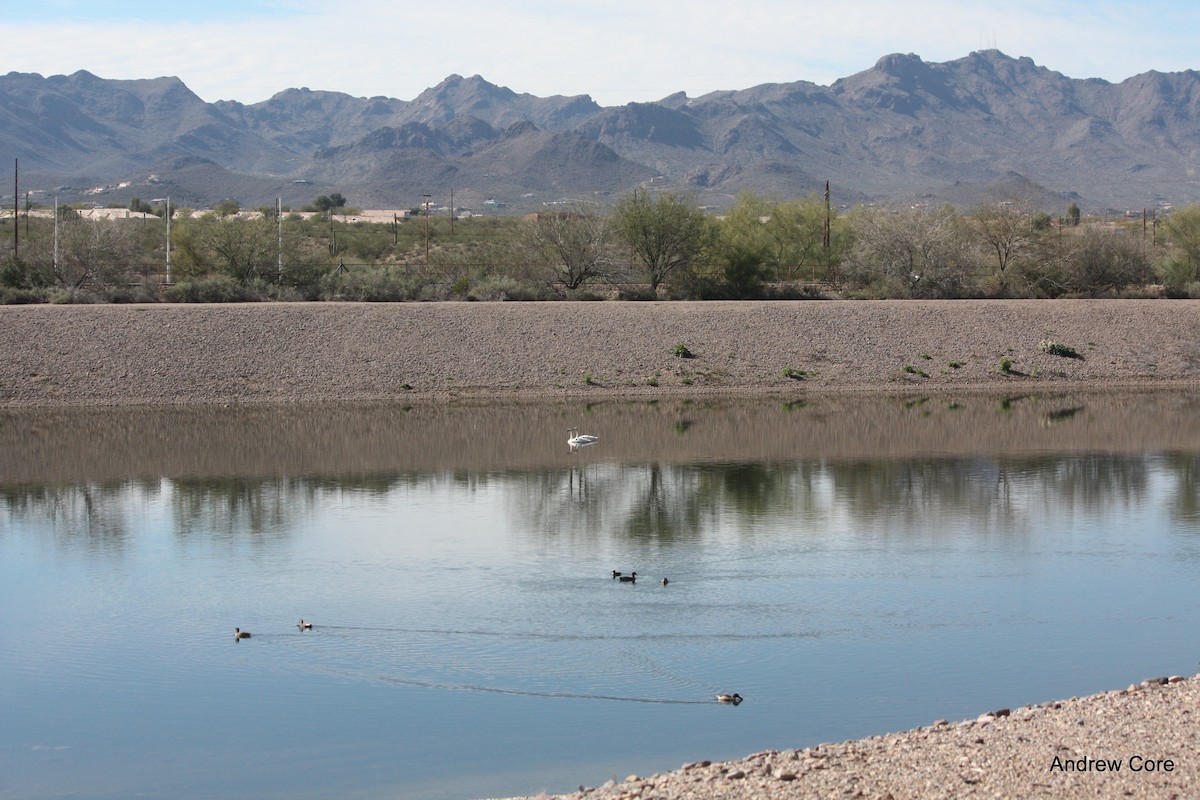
(903, 131)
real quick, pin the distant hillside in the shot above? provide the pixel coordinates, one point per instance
(903, 131)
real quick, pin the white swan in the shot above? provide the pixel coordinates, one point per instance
(577, 439)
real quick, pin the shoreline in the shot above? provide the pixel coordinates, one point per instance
(1140, 742)
(285, 353)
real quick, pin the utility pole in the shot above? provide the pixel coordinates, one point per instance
(167, 214)
(825, 233)
(16, 208)
(426, 228)
(279, 233)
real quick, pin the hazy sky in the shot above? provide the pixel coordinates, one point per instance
(618, 51)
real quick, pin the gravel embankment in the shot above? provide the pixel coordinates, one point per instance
(1146, 736)
(267, 353)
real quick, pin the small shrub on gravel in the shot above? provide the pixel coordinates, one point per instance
(1006, 365)
(681, 351)
(1058, 349)
(795, 374)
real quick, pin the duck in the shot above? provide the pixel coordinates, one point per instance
(616, 574)
(238, 633)
(665, 581)
(630, 578)
(734, 698)
(304, 626)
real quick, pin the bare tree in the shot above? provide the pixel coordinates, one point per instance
(1103, 261)
(573, 245)
(1009, 230)
(925, 252)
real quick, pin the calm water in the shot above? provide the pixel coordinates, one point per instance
(850, 567)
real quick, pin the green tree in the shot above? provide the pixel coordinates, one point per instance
(667, 232)
(242, 249)
(1073, 214)
(326, 203)
(227, 208)
(1181, 267)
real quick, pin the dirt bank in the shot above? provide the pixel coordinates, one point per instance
(267, 353)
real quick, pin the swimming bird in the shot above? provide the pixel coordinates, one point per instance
(665, 581)
(616, 574)
(238, 633)
(630, 578)
(734, 698)
(577, 439)
(304, 626)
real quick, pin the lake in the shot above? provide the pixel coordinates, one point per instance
(849, 565)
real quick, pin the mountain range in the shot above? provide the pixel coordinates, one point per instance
(965, 131)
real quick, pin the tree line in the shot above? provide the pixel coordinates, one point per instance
(648, 245)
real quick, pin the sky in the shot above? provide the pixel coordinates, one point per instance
(618, 52)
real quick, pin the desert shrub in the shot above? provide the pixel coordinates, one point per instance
(211, 289)
(1104, 262)
(13, 296)
(503, 287)
(373, 284)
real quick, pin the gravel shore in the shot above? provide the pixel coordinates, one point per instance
(1139, 742)
(285, 352)
(173, 355)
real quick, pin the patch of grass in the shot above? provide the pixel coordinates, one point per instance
(589, 378)
(795, 374)
(1058, 349)
(406, 386)
(1006, 365)
(926, 356)
(681, 351)
(687, 381)
(911, 370)
(954, 364)
(652, 381)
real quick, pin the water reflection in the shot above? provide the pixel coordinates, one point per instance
(653, 502)
(459, 583)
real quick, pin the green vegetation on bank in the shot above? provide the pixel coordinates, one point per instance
(650, 245)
